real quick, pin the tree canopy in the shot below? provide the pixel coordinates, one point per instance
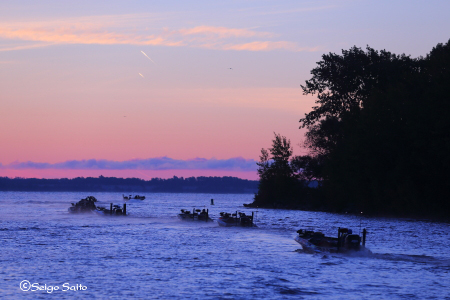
(343, 82)
(278, 184)
(379, 135)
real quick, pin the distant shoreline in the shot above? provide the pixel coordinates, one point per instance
(214, 185)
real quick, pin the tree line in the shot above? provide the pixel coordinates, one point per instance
(215, 185)
(378, 139)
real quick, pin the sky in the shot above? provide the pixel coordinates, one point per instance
(177, 88)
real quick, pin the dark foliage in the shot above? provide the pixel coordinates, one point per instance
(219, 185)
(379, 138)
(279, 184)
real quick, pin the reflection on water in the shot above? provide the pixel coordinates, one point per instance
(152, 254)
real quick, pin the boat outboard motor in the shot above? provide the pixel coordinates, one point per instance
(353, 241)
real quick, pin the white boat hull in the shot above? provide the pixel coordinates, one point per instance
(225, 224)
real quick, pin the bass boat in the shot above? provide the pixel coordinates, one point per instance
(236, 219)
(114, 210)
(88, 205)
(84, 205)
(346, 241)
(196, 215)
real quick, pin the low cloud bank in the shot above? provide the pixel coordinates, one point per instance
(160, 163)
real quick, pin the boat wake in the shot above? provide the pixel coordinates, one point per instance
(424, 259)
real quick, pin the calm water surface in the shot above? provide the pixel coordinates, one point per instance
(150, 254)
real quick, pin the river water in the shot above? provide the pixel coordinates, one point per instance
(151, 254)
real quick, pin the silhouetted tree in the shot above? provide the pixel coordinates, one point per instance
(278, 183)
(379, 137)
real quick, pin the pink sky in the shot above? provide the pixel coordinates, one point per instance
(218, 79)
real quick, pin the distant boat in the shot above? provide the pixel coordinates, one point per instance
(84, 205)
(114, 210)
(131, 197)
(88, 205)
(196, 215)
(236, 219)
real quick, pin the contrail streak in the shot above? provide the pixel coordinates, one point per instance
(141, 75)
(147, 57)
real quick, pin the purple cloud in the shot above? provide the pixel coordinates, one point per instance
(159, 163)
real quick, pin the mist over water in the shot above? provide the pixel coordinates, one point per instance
(150, 254)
